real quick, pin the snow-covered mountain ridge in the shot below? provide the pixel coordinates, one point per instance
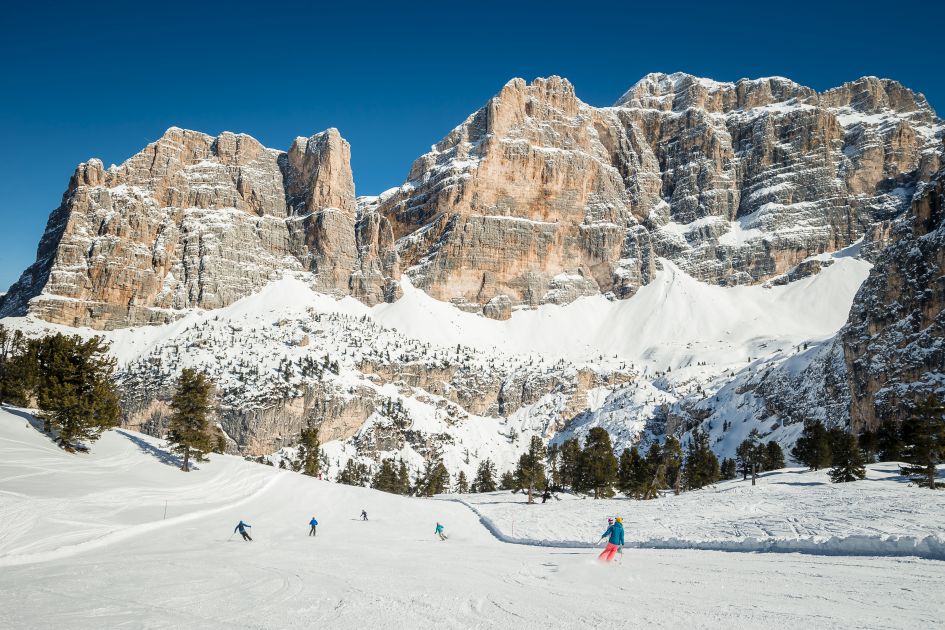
(686, 257)
(419, 376)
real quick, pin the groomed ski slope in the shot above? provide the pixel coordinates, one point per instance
(84, 544)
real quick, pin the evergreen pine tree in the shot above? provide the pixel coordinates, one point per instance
(435, 479)
(189, 433)
(530, 472)
(485, 477)
(751, 456)
(869, 445)
(353, 474)
(462, 485)
(652, 474)
(672, 460)
(507, 481)
(22, 375)
(729, 468)
(836, 437)
(570, 464)
(813, 446)
(12, 345)
(403, 478)
(628, 472)
(923, 434)
(74, 389)
(598, 468)
(553, 458)
(386, 479)
(774, 456)
(702, 466)
(889, 441)
(848, 462)
(309, 452)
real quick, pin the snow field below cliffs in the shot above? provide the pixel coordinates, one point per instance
(674, 322)
(790, 510)
(85, 545)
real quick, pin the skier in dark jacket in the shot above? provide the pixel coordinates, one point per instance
(546, 495)
(314, 524)
(241, 528)
(363, 515)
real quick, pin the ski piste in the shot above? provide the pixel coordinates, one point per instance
(113, 499)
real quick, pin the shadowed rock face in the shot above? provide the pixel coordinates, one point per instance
(535, 198)
(197, 221)
(894, 341)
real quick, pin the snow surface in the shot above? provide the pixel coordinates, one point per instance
(673, 321)
(84, 544)
(788, 510)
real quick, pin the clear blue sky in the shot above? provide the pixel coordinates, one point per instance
(96, 79)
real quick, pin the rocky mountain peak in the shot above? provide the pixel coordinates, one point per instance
(194, 220)
(679, 91)
(872, 95)
(319, 173)
(535, 198)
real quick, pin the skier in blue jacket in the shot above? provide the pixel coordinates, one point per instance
(241, 528)
(615, 540)
(314, 524)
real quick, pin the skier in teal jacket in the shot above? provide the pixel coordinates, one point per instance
(439, 532)
(615, 540)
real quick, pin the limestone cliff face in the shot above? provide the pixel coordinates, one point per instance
(520, 202)
(539, 197)
(197, 221)
(535, 198)
(894, 341)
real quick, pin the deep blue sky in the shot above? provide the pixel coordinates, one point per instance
(86, 79)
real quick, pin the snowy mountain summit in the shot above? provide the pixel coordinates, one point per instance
(685, 258)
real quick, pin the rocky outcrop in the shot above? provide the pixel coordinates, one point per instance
(541, 198)
(894, 341)
(197, 221)
(353, 380)
(520, 201)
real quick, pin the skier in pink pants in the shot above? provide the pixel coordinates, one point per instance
(615, 542)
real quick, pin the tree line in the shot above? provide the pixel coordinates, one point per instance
(590, 468)
(918, 440)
